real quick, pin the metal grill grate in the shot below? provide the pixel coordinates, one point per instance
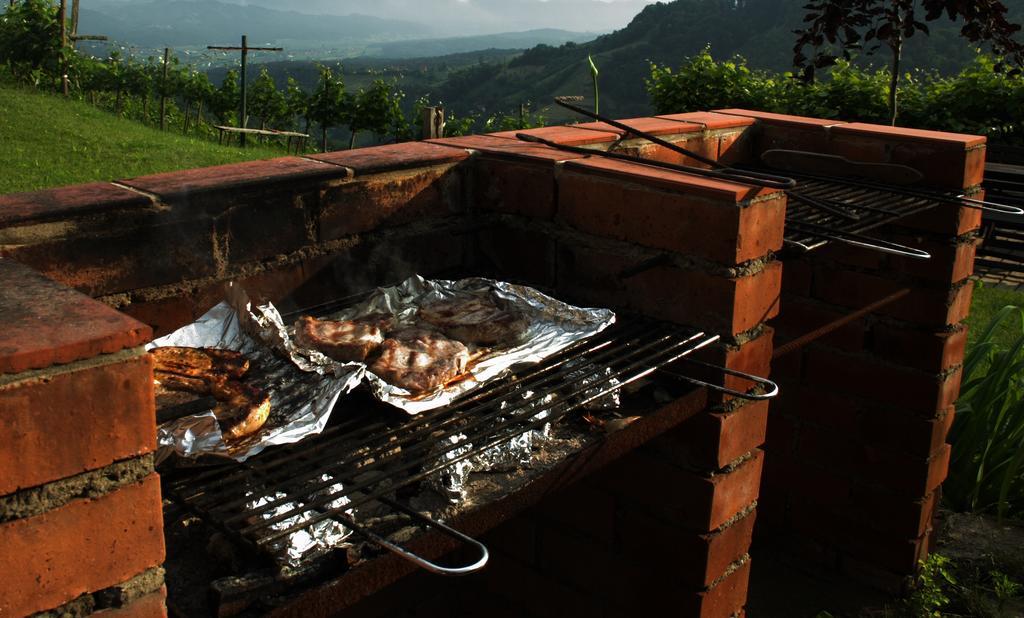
(372, 454)
(822, 210)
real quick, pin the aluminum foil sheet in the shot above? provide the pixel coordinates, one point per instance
(604, 394)
(317, 537)
(300, 402)
(513, 453)
(553, 325)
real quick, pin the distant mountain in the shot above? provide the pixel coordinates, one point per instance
(472, 17)
(421, 48)
(177, 23)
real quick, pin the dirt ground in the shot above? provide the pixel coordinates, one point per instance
(980, 549)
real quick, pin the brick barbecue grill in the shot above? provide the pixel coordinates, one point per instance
(656, 517)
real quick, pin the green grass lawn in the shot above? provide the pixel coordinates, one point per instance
(48, 141)
(987, 301)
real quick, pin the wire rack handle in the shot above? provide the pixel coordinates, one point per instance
(422, 562)
(988, 206)
(771, 389)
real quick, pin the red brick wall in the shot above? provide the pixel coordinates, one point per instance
(856, 452)
(80, 509)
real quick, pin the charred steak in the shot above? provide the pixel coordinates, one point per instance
(197, 362)
(342, 340)
(478, 321)
(420, 360)
(241, 408)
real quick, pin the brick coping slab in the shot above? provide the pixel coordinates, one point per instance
(43, 323)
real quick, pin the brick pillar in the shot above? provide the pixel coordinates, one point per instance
(856, 448)
(667, 528)
(81, 529)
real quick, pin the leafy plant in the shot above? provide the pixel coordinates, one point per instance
(930, 591)
(1005, 588)
(987, 467)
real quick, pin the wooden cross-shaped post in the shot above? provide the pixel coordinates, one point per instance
(245, 49)
(75, 37)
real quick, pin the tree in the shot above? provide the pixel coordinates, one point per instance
(30, 39)
(298, 102)
(837, 28)
(266, 102)
(197, 90)
(376, 109)
(328, 105)
(116, 78)
(139, 79)
(225, 100)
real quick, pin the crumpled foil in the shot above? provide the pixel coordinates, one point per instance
(300, 403)
(326, 534)
(553, 325)
(512, 453)
(601, 378)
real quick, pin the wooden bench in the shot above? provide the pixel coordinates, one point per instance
(299, 138)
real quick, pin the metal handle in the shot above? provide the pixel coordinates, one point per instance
(859, 240)
(772, 389)
(764, 179)
(751, 178)
(987, 206)
(888, 247)
(420, 561)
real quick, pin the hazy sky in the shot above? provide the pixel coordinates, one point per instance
(479, 16)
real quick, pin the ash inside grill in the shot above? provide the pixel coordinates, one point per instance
(379, 478)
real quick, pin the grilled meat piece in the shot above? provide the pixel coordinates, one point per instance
(420, 360)
(342, 340)
(478, 321)
(242, 410)
(178, 382)
(198, 362)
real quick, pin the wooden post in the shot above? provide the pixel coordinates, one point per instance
(245, 52)
(432, 122)
(74, 23)
(63, 17)
(241, 118)
(522, 115)
(163, 90)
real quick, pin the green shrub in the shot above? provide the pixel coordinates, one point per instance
(978, 100)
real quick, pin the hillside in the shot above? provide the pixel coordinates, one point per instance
(49, 141)
(420, 48)
(759, 30)
(498, 80)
